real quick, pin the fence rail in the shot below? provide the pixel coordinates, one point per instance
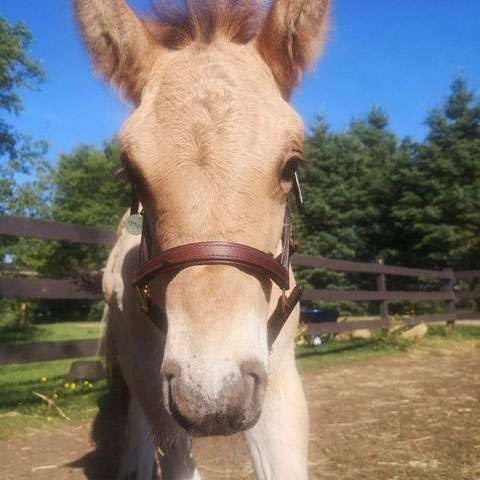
(45, 288)
(468, 274)
(363, 267)
(72, 288)
(45, 351)
(371, 296)
(67, 232)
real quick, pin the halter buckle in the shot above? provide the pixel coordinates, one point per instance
(142, 293)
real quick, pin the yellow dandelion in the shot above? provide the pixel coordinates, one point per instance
(85, 383)
(44, 379)
(66, 385)
(90, 385)
(49, 419)
(55, 395)
(73, 386)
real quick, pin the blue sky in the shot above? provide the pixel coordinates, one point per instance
(400, 55)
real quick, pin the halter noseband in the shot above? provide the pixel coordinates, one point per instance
(221, 253)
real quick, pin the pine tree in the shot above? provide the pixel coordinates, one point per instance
(438, 212)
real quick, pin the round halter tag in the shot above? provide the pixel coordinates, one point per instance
(134, 224)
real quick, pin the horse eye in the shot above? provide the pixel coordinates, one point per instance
(289, 169)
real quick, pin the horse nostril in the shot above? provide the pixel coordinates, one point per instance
(170, 370)
(254, 370)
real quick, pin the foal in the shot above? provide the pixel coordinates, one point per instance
(211, 149)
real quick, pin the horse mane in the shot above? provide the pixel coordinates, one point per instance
(177, 24)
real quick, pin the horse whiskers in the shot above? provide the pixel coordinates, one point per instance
(149, 435)
(162, 422)
(176, 434)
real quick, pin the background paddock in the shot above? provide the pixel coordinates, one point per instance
(376, 412)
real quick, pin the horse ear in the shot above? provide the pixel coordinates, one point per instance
(291, 37)
(122, 49)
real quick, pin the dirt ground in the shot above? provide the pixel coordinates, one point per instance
(412, 416)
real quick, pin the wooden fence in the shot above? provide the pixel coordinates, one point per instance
(73, 289)
(446, 292)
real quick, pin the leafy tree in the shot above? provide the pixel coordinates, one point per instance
(80, 189)
(437, 215)
(84, 190)
(17, 69)
(347, 186)
(18, 153)
(87, 191)
(376, 189)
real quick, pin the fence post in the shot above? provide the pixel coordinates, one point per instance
(382, 287)
(450, 304)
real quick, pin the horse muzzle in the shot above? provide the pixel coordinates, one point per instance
(235, 406)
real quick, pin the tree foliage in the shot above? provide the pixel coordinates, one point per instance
(19, 154)
(346, 183)
(368, 194)
(371, 194)
(17, 70)
(437, 214)
(84, 190)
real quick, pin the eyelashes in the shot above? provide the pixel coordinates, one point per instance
(289, 169)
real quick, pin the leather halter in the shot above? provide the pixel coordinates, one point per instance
(242, 256)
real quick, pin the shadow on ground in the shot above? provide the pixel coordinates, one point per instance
(107, 433)
(9, 334)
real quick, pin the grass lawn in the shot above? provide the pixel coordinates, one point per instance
(333, 353)
(50, 332)
(21, 409)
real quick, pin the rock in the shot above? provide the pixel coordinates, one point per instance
(418, 331)
(353, 335)
(87, 370)
(342, 337)
(361, 334)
